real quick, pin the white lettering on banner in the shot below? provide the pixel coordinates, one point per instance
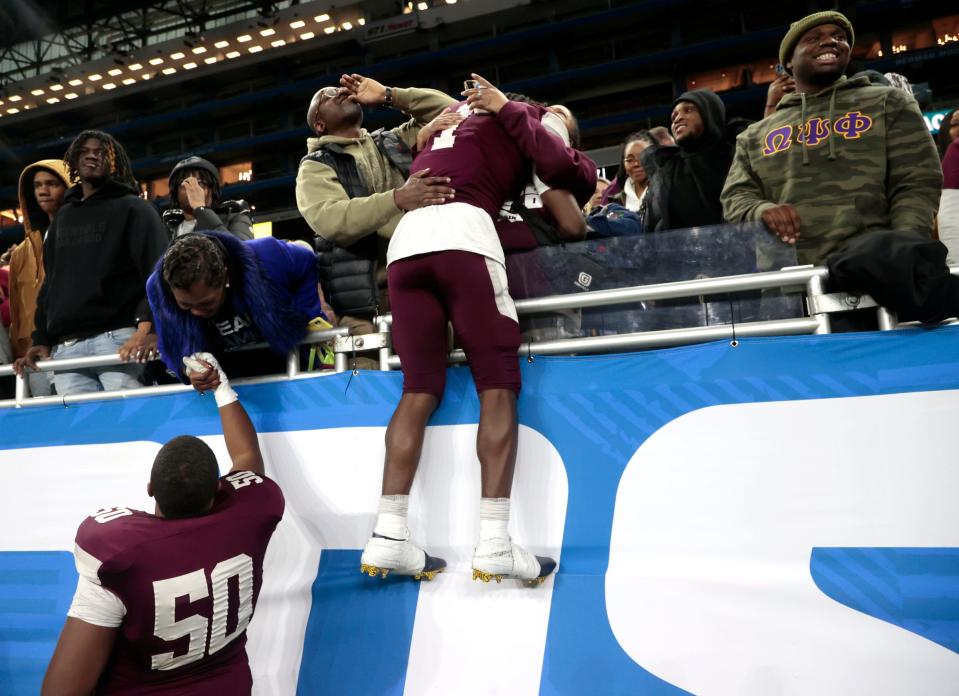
(327, 496)
(716, 595)
(331, 481)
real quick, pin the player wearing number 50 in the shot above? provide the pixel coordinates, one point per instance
(164, 599)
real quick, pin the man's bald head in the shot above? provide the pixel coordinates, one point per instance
(333, 111)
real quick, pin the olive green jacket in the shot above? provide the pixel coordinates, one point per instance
(851, 158)
(321, 198)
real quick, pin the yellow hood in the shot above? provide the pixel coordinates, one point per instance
(33, 217)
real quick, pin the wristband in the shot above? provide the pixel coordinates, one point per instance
(223, 394)
(388, 99)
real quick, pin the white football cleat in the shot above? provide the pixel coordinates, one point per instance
(384, 555)
(498, 559)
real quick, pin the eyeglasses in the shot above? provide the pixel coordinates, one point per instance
(632, 160)
(328, 92)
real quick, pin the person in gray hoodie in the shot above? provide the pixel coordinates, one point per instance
(685, 179)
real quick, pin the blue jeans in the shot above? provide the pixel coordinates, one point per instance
(94, 379)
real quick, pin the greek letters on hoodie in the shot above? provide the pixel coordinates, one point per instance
(851, 158)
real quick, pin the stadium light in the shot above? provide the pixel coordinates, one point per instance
(135, 67)
(267, 32)
(129, 81)
(307, 36)
(169, 71)
(109, 85)
(15, 97)
(244, 38)
(36, 92)
(14, 110)
(70, 95)
(189, 66)
(53, 100)
(329, 30)
(297, 24)
(156, 61)
(221, 44)
(255, 49)
(422, 6)
(95, 77)
(56, 87)
(145, 76)
(361, 21)
(178, 55)
(199, 49)
(278, 43)
(210, 61)
(319, 19)
(233, 54)
(347, 26)
(76, 82)
(114, 72)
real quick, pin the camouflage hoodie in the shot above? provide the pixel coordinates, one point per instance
(851, 158)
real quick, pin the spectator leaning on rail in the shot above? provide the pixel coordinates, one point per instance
(212, 292)
(685, 180)
(353, 187)
(98, 252)
(839, 158)
(42, 187)
(196, 205)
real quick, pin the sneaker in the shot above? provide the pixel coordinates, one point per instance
(384, 555)
(498, 559)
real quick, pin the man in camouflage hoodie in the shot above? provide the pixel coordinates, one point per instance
(839, 157)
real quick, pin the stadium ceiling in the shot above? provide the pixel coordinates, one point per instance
(37, 38)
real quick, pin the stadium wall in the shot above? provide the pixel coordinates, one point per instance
(774, 518)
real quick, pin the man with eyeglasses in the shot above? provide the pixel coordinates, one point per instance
(353, 186)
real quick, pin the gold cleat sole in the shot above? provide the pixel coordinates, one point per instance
(372, 570)
(427, 575)
(535, 582)
(486, 577)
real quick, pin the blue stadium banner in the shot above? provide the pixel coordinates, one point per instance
(775, 517)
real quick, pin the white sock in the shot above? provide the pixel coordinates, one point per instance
(494, 519)
(391, 520)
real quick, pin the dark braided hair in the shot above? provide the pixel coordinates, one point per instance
(194, 257)
(118, 164)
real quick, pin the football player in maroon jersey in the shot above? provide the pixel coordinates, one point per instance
(446, 263)
(164, 599)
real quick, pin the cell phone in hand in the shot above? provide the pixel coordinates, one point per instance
(780, 69)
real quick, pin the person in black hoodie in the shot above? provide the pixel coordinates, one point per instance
(196, 205)
(685, 180)
(99, 251)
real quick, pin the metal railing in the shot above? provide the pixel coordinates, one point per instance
(808, 280)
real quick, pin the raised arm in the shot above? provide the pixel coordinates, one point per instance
(559, 166)
(206, 374)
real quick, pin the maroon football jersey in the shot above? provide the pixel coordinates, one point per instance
(189, 587)
(480, 156)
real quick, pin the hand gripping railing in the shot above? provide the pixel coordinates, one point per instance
(806, 279)
(292, 372)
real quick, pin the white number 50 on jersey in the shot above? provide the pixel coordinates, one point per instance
(206, 636)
